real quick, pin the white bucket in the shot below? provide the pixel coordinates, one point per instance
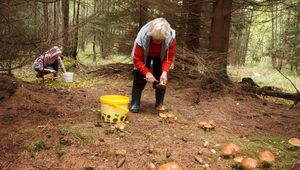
(68, 76)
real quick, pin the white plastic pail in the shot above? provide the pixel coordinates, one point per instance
(68, 76)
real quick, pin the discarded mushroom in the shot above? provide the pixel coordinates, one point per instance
(121, 152)
(294, 141)
(170, 166)
(120, 125)
(238, 159)
(250, 163)
(161, 85)
(207, 125)
(163, 115)
(266, 156)
(230, 149)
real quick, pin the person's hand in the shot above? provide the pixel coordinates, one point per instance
(150, 78)
(53, 71)
(164, 77)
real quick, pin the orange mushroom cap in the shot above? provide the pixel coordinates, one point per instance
(161, 86)
(294, 141)
(203, 123)
(250, 163)
(170, 166)
(161, 108)
(170, 115)
(230, 149)
(211, 122)
(266, 156)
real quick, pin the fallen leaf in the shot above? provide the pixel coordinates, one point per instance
(199, 160)
(121, 162)
(150, 149)
(206, 143)
(168, 153)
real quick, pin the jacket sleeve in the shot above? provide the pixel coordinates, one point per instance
(167, 62)
(138, 60)
(61, 64)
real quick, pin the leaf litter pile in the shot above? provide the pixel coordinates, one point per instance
(61, 128)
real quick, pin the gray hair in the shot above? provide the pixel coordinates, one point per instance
(159, 28)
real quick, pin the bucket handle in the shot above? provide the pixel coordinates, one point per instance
(116, 105)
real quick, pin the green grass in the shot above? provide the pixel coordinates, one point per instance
(264, 75)
(86, 57)
(278, 145)
(81, 132)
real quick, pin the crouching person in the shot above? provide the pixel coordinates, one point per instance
(49, 62)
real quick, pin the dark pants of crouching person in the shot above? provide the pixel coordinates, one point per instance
(53, 66)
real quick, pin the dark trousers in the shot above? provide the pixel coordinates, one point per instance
(53, 66)
(139, 82)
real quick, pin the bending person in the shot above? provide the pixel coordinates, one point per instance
(154, 43)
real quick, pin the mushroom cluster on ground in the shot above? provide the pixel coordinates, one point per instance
(207, 125)
(166, 115)
(265, 157)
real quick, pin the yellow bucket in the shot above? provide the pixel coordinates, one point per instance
(114, 108)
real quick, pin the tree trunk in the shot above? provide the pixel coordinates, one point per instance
(55, 20)
(219, 40)
(193, 25)
(66, 18)
(143, 13)
(75, 44)
(285, 43)
(94, 37)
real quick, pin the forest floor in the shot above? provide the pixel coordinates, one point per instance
(58, 126)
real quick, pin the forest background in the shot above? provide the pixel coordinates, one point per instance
(218, 43)
(213, 36)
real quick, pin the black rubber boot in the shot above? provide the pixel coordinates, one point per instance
(135, 100)
(159, 96)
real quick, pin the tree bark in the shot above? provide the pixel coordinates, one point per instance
(219, 40)
(143, 13)
(66, 18)
(76, 18)
(193, 25)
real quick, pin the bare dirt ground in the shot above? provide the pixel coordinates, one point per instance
(47, 128)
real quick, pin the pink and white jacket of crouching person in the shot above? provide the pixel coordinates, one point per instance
(49, 62)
